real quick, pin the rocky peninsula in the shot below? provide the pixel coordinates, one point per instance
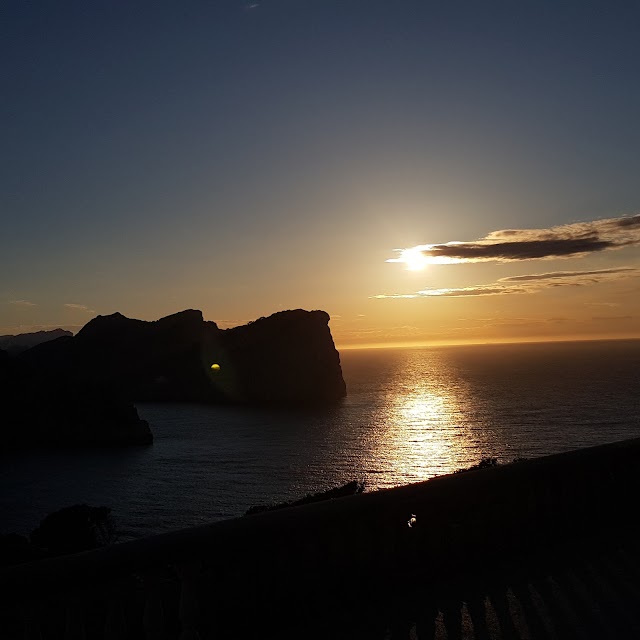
(81, 389)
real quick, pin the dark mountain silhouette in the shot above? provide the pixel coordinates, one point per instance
(286, 359)
(23, 341)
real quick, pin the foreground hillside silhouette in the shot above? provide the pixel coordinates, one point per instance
(81, 389)
(542, 549)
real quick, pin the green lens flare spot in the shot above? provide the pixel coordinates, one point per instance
(215, 367)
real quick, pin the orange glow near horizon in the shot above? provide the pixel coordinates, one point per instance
(472, 342)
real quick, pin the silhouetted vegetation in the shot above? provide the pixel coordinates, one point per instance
(74, 529)
(69, 530)
(351, 488)
(488, 463)
(16, 549)
(485, 463)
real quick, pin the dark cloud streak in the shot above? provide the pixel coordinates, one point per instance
(563, 241)
(567, 274)
(533, 283)
(519, 250)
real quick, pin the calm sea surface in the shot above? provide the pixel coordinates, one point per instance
(411, 414)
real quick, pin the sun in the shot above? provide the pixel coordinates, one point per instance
(414, 259)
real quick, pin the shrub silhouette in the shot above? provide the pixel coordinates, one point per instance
(74, 529)
(351, 488)
(485, 463)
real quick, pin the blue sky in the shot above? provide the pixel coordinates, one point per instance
(243, 158)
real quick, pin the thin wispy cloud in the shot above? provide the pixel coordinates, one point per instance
(229, 324)
(508, 245)
(370, 334)
(595, 274)
(22, 303)
(79, 307)
(603, 304)
(532, 283)
(611, 318)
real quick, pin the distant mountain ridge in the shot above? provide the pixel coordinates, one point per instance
(23, 341)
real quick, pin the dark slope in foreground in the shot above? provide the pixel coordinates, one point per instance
(543, 549)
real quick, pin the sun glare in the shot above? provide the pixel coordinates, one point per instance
(414, 259)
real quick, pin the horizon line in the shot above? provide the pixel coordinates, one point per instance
(472, 342)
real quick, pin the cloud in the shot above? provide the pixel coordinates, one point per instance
(603, 304)
(403, 332)
(79, 307)
(228, 324)
(22, 303)
(532, 283)
(507, 245)
(510, 323)
(597, 274)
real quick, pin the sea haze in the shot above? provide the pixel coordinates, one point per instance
(411, 414)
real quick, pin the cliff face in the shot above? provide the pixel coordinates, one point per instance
(285, 359)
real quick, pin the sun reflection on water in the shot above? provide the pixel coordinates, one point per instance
(427, 431)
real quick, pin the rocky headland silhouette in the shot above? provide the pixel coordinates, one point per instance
(81, 389)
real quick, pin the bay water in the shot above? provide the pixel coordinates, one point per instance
(411, 414)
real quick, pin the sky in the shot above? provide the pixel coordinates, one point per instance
(425, 172)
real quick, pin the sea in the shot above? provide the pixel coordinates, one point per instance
(410, 414)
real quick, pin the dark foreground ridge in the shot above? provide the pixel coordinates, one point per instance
(544, 548)
(81, 389)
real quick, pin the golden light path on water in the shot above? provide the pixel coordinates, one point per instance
(422, 437)
(428, 425)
